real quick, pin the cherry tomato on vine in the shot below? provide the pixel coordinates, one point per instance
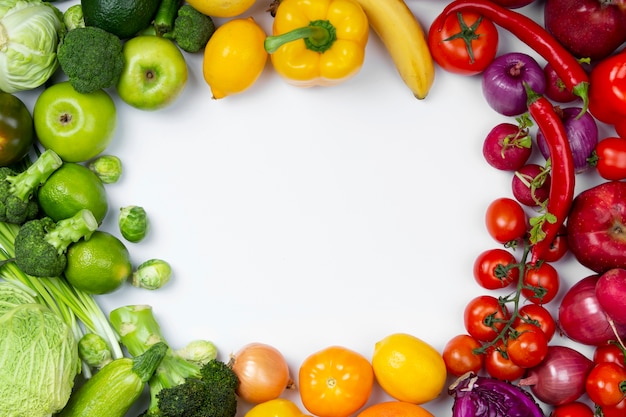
(558, 248)
(541, 283)
(603, 384)
(610, 158)
(460, 357)
(485, 317)
(527, 346)
(618, 410)
(495, 268)
(573, 409)
(502, 367)
(610, 352)
(506, 220)
(335, 382)
(466, 43)
(538, 315)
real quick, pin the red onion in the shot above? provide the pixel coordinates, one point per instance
(582, 319)
(560, 378)
(503, 82)
(582, 133)
(611, 294)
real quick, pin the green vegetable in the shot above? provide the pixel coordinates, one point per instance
(73, 17)
(92, 58)
(41, 244)
(189, 28)
(39, 360)
(94, 350)
(152, 274)
(107, 167)
(31, 30)
(115, 388)
(133, 223)
(199, 352)
(17, 204)
(197, 390)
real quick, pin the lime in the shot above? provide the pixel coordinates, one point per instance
(99, 265)
(123, 18)
(70, 188)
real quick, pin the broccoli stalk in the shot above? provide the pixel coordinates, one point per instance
(17, 204)
(41, 244)
(179, 387)
(187, 26)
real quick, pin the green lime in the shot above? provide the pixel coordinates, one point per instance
(123, 18)
(99, 265)
(70, 188)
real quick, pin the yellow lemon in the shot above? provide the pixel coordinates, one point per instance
(221, 8)
(409, 369)
(234, 57)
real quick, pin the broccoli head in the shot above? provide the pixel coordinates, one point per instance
(192, 29)
(18, 203)
(92, 58)
(41, 244)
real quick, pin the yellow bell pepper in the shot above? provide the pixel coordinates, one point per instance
(318, 42)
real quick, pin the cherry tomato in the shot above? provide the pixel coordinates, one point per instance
(506, 220)
(466, 43)
(460, 357)
(335, 382)
(610, 352)
(484, 317)
(502, 367)
(603, 384)
(527, 346)
(538, 315)
(611, 158)
(496, 268)
(618, 410)
(573, 409)
(541, 283)
(559, 246)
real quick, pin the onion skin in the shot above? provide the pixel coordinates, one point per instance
(611, 294)
(582, 319)
(478, 396)
(560, 377)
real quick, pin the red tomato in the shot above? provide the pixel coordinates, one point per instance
(466, 43)
(611, 158)
(607, 88)
(559, 246)
(496, 268)
(506, 220)
(538, 315)
(527, 346)
(603, 384)
(620, 127)
(573, 409)
(541, 283)
(610, 352)
(460, 356)
(618, 410)
(501, 367)
(485, 317)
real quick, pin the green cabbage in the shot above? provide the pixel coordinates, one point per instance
(38, 357)
(30, 31)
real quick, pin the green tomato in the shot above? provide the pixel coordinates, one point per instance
(17, 132)
(76, 126)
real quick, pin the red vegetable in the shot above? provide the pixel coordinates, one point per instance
(610, 158)
(607, 89)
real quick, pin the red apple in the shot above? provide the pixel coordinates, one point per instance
(596, 227)
(587, 28)
(513, 4)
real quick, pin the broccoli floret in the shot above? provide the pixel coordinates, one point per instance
(18, 202)
(92, 58)
(41, 244)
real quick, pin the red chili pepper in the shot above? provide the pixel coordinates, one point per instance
(561, 169)
(567, 67)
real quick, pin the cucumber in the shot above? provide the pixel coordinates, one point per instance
(115, 388)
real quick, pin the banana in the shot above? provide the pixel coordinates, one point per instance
(405, 40)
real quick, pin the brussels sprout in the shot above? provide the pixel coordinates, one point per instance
(199, 352)
(107, 167)
(133, 223)
(73, 17)
(94, 351)
(152, 274)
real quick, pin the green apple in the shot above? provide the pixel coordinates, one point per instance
(155, 72)
(75, 125)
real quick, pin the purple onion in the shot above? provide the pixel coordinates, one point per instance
(503, 82)
(582, 134)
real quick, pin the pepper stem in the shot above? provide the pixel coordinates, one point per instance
(318, 36)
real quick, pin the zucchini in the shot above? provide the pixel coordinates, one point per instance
(115, 388)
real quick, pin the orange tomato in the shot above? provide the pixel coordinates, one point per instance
(335, 382)
(395, 409)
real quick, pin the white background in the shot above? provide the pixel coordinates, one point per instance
(305, 218)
